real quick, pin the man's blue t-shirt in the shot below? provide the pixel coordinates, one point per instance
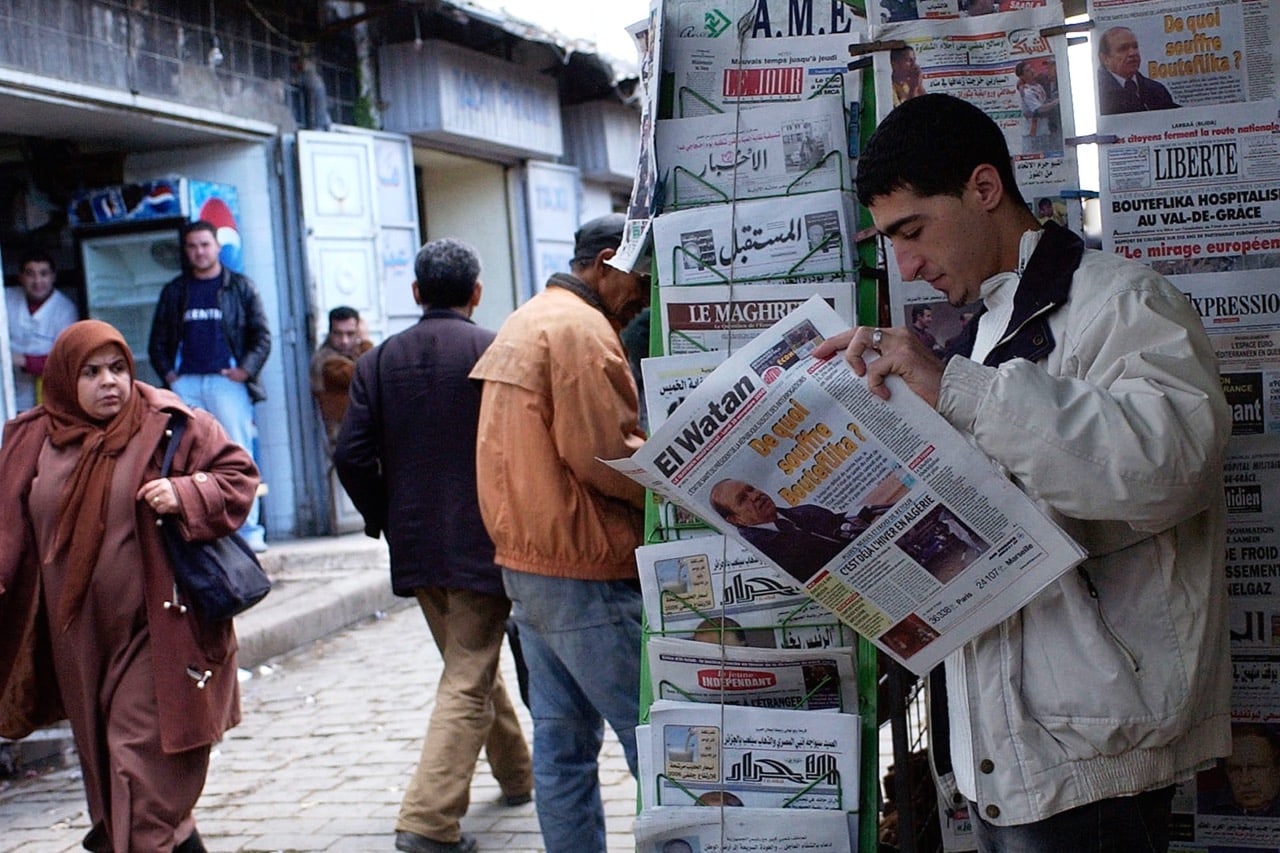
(204, 347)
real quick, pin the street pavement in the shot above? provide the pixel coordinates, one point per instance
(332, 728)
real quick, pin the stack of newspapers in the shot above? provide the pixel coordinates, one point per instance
(743, 202)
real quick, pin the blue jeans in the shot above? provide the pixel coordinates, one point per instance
(1137, 824)
(581, 643)
(228, 401)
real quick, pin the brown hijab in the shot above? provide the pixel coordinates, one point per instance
(82, 510)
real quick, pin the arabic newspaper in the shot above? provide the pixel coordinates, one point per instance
(886, 514)
(1002, 64)
(712, 584)
(721, 672)
(725, 318)
(713, 755)
(783, 149)
(661, 830)
(668, 379)
(800, 238)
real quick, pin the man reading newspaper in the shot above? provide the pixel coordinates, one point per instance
(1089, 379)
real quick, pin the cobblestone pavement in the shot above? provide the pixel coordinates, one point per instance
(330, 734)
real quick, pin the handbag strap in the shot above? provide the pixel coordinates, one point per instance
(177, 426)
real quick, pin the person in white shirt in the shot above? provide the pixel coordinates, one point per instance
(37, 313)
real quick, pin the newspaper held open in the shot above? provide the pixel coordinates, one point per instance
(884, 512)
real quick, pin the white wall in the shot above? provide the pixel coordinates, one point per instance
(466, 199)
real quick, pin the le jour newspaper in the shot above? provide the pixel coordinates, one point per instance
(885, 513)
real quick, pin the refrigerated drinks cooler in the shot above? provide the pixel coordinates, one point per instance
(128, 246)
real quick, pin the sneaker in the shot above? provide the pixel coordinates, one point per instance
(412, 842)
(513, 800)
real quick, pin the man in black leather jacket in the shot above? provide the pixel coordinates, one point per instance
(209, 341)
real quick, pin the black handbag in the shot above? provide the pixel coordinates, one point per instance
(221, 577)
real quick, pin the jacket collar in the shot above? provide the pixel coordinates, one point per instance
(1043, 289)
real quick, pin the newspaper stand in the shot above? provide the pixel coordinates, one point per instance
(665, 522)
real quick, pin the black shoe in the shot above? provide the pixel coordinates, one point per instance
(412, 842)
(513, 800)
(193, 844)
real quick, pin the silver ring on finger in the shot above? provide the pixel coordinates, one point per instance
(876, 337)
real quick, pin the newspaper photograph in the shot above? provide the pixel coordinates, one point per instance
(729, 674)
(1164, 55)
(1195, 190)
(1001, 64)
(783, 149)
(725, 318)
(725, 755)
(885, 513)
(798, 238)
(713, 589)
(685, 829)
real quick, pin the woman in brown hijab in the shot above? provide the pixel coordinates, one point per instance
(92, 627)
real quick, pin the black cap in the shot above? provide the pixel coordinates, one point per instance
(604, 232)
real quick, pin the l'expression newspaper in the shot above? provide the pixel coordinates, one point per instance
(886, 514)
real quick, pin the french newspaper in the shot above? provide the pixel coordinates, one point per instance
(880, 509)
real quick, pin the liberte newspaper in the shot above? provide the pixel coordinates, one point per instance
(884, 512)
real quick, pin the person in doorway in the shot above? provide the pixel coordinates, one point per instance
(37, 312)
(209, 341)
(1121, 88)
(88, 630)
(1090, 380)
(558, 397)
(406, 454)
(334, 364)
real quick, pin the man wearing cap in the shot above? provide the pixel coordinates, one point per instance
(558, 396)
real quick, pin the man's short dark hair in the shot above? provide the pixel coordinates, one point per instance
(917, 311)
(446, 271)
(197, 225)
(930, 145)
(36, 256)
(341, 314)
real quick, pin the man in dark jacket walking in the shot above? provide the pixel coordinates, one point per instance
(209, 341)
(406, 454)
